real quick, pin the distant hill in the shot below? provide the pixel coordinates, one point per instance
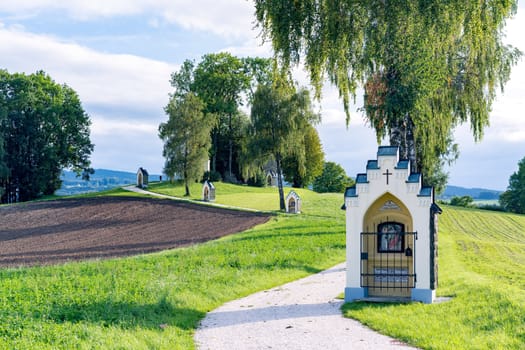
(476, 193)
(101, 180)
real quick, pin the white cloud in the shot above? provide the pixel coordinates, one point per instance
(250, 48)
(77, 8)
(99, 78)
(102, 126)
(124, 94)
(126, 145)
(228, 18)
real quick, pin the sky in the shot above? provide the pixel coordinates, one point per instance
(118, 55)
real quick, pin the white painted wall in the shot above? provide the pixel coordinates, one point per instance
(408, 193)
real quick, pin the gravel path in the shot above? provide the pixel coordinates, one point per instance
(303, 315)
(134, 188)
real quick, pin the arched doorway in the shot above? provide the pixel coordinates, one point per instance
(387, 248)
(291, 205)
(140, 180)
(269, 180)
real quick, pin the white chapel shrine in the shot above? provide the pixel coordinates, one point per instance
(391, 233)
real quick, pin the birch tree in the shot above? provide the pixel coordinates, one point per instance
(425, 66)
(186, 137)
(278, 112)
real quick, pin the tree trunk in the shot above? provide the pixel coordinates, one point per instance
(230, 155)
(411, 146)
(402, 135)
(214, 152)
(187, 194)
(186, 184)
(280, 181)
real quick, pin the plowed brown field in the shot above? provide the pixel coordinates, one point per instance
(51, 232)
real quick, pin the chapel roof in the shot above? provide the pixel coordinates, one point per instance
(387, 151)
(372, 164)
(293, 194)
(426, 191)
(361, 178)
(436, 209)
(414, 178)
(351, 192)
(402, 164)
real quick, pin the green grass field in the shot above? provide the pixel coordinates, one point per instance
(264, 199)
(155, 301)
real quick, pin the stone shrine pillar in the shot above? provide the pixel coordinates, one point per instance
(142, 178)
(391, 233)
(293, 203)
(208, 191)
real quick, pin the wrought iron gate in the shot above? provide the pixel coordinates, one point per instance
(388, 270)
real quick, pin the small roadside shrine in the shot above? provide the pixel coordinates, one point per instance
(391, 233)
(208, 191)
(293, 203)
(142, 178)
(271, 178)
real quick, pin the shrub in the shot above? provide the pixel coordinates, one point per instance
(463, 201)
(493, 207)
(259, 180)
(333, 179)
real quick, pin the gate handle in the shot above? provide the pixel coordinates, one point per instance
(408, 252)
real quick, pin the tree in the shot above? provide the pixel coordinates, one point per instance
(219, 81)
(186, 137)
(306, 160)
(463, 201)
(333, 179)
(4, 171)
(278, 112)
(513, 199)
(259, 71)
(426, 66)
(183, 80)
(223, 82)
(44, 130)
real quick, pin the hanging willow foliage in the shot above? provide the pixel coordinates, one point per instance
(425, 65)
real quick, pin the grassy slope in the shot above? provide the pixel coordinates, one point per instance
(265, 199)
(482, 256)
(155, 301)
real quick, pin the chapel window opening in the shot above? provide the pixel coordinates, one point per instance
(391, 237)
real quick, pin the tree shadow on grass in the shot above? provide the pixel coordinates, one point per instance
(127, 315)
(285, 265)
(270, 237)
(288, 233)
(365, 305)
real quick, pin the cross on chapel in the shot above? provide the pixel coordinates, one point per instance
(387, 175)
